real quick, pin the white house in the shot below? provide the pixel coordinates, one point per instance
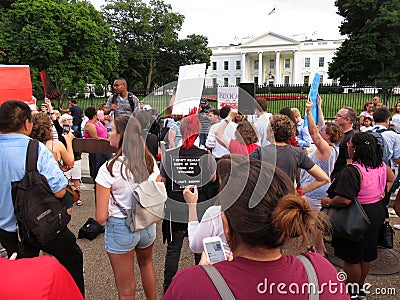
(271, 59)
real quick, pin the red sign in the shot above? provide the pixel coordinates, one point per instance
(15, 83)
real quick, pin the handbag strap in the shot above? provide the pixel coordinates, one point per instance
(312, 276)
(219, 282)
(123, 210)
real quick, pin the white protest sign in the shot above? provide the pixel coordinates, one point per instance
(228, 96)
(189, 89)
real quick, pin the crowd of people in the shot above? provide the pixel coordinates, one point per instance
(253, 184)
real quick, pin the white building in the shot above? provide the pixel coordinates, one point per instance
(271, 59)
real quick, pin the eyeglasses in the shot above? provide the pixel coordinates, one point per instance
(117, 84)
(340, 116)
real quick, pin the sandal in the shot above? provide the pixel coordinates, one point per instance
(79, 202)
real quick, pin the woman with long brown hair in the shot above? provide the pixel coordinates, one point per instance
(116, 179)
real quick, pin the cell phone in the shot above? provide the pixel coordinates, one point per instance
(66, 129)
(214, 249)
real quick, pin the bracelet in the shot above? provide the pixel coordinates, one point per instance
(226, 121)
(299, 191)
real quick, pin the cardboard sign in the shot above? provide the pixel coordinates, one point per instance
(15, 83)
(228, 96)
(189, 89)
(87, 145)
(185, 171)
(313, 95)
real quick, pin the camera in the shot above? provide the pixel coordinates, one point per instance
(66, 129)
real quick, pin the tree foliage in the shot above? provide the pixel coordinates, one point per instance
(150, 52)
(371, 51)
(69, 39)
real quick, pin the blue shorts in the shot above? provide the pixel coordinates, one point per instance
(119, 239)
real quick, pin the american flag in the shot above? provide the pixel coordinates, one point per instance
(272, 11)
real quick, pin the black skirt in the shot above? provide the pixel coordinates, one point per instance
(365, 249)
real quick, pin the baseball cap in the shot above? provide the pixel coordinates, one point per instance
(203, 101)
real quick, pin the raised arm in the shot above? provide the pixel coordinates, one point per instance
(220, 132)
(322, 145)
(321, 119)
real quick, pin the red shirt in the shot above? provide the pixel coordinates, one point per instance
(237, 148)
(249, 279)
(36, 278)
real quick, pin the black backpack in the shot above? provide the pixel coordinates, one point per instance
(133, 102)
(38, 211)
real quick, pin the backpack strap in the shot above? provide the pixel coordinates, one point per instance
(32, 156)
(219, 282)
(312, 276)
(114, 98)
(130, 100)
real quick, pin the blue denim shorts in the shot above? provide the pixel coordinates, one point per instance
(119, 239)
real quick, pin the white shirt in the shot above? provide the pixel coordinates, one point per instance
(121, 189)
(217, 149)
(210, 225)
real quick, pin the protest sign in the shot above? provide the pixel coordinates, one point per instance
(228, 96)
(15, 83)
(189, 89)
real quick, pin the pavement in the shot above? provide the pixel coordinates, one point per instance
(99, 279)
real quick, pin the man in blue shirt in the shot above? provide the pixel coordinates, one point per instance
(15, 127)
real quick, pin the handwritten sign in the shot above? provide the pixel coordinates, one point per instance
(15, 83)
(185, 171)
(228, 96)
(189, 88)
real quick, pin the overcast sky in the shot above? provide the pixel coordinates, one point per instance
(223, 20)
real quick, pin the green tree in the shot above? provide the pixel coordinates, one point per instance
(371, 51)
(69, 39)
(150, 52)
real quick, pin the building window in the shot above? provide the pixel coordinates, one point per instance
(272, 64)
(286, 80)
(214, 65)
(226, 81)
(226, 65)
(321, 61)
(306, 80)
(256, 65)
(214, 81)
(256, 80)
(237, 81)
(238, 65)
(287, 63)
(307, 62)
(321, 79)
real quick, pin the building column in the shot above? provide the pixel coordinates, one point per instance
(277, 67)
(243, 79)
(294, 70)
(260, 69)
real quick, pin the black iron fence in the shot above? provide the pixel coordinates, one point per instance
(334, 97)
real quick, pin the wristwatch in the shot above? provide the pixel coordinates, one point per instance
(226, 121)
